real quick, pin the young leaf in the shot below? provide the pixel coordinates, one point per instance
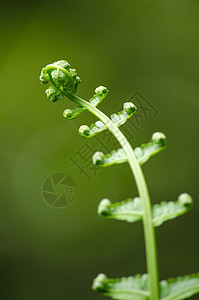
(70, 114)
(142, 153)
(179, 288)
(53, 94)
(137, 287)
(100, 94)
(95, 128)
(119, 119)
(130, 288)
(146, 151)
(169, 210)
(115, 157)
(129, 210)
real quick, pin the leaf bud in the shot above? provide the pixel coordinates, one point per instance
(102, 208)
(53, 94)
(58, 76)
(98, 283)
(84, 130)
(63, 64)
(44, 77)
(73, 72)
(97, 158)
(129, 107)
(67, 113)
(185, 198)
(159, 138)
(101, 90)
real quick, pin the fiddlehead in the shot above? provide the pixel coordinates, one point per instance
(64, 82)
(131, 158)
(63, 78)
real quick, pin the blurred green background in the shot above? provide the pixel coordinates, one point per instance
(130, 45)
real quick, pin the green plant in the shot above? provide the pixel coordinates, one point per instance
(64, 82)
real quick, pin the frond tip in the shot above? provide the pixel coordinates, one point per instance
(53, 94)
(61, 76)
(165, 211)
(100, 93)
(146, 151)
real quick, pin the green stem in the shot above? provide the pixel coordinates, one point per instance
(150, 241)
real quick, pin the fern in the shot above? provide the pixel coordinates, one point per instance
(64, 83)
(131, 210)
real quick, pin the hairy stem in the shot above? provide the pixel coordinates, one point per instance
(150, 241)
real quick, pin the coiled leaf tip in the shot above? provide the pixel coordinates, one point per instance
(61, 76)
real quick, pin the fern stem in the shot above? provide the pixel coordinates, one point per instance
(150, 240)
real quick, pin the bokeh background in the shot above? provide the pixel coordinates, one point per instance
(150, 46)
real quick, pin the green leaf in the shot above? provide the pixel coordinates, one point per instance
(95, 128)
(137, 287)
(115, 157)
(100, 94)
(70, 114)
(121, 117)
(179, 288)
(146, 151)
(118, 119)
(142, 153)
(53, 94)
(130, 288)
(129, 210)
(169, 210)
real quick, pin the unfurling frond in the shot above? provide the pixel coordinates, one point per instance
(142, 153)
(130, 210)
(118, 119)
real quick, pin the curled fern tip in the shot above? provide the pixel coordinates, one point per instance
(62, 77)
